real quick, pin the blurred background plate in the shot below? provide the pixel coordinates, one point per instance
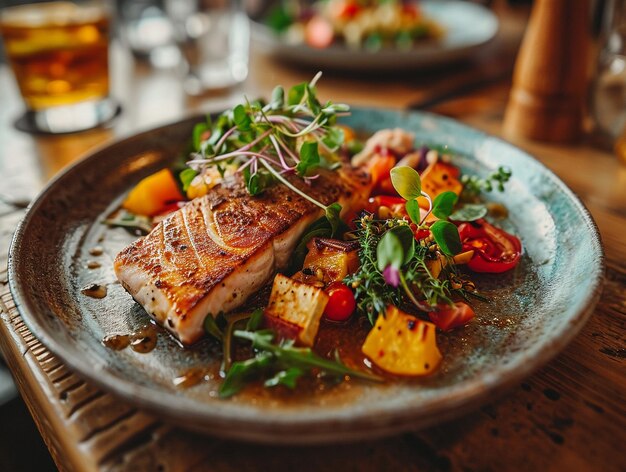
(467, 26)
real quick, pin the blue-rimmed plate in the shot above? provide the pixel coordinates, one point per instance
(535, 310)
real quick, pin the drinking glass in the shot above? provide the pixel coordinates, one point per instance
(214, 39)
(59, 54)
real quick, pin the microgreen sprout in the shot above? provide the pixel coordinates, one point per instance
(272, 141)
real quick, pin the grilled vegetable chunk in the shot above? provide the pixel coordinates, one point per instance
(335, 259)
(401, 344)
(295, 308)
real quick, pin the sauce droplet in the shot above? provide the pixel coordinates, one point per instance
(94, 290)
(93, 265)
(144, 340)
(96, 251)
(192, 377)
(117, 342)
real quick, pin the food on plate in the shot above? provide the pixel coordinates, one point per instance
(295, 228)
(212, 254)
(369, 24)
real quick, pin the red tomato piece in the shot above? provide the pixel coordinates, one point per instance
(448, 317)
(341, 302)
(319, 33)
(495, 250)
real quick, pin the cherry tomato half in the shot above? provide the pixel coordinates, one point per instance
(495, 250)
(341, 302)
(447, 317)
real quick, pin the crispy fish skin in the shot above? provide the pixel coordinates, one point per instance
(217, 250)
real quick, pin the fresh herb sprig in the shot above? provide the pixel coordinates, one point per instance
(407, 183)
(281, 363)
(137, 224)
(293, 134)
(394, 269)
(473, 185)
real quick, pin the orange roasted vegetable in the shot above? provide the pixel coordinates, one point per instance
(402, 344)
(438, 178)
(153, 194)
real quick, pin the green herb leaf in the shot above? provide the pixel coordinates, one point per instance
(241, 372)
(389, 251)
(288, 378)
(407, 239)
(186, 176)
(212, 329)
(278, 98)
(241, 118)
(256, 318)
(443, 205)
(309, 158)
(311, 99)
(407, 182)
(334, 138)
(447, 237)
(469, 212)
(258, 182)
(413, 210)
(333, 215)
(296, 93)
(198, 131)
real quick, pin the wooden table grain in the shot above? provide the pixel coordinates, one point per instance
(570, 415)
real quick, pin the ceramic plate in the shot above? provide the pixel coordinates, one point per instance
(468, 26)
(534, 311)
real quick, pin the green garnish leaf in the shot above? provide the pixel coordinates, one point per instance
(320, 228)
(186, 177)
(198, 131)
(413, 210)
(447, 237)
(312, 100)
(407, 182)
(129, 221)
(309, 159)
(241, 372)
(334, 138)
(296, 93)
(407, 240)
(389, 251)
(256, 318)
(259, 181)
(278, 98)
(469, 212)
(443, 205)
(211, 327)
(241, 118)
(333, 215)
(287, 378)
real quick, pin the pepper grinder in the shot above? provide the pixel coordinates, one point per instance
(550, 77)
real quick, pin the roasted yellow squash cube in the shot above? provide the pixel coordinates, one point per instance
(401, 344)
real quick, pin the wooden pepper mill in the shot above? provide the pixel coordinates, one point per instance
(550, 78)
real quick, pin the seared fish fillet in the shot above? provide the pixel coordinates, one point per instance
(212, 254)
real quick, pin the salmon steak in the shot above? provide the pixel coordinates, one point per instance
(216, 251)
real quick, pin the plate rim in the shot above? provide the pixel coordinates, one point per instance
(462, 397)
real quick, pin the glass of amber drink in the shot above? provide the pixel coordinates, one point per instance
(59, 53)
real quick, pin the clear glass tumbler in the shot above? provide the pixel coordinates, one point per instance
(59, 54)
(214, 39)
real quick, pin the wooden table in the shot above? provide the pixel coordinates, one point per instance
(570, 415)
